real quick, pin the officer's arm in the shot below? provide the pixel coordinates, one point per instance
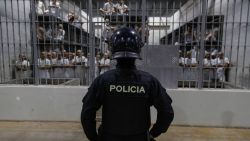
(91, 103)
(165, 114)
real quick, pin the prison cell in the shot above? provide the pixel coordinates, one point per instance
(187, 43)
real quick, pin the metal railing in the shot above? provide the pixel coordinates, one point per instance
(188, 43)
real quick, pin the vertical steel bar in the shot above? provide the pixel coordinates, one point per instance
(199, 22)
(173, 24)
(238, 44)
(143, 20)
(34, 42)
(153, 42)
(193, 41)
(14, 38)
(212, 45)
(201, 54)
(144, 14)
(75, 40)
(232, 37)
(225, 29)
(248, 76)
(19, 32)
(91, 45)
(160, 22)
(1, 76)
(245, 44)
(88, 25)
(130, 12)
(166, 32)
(136, 14)
(179, 45)
(81, 41)
(188, 69)
(2, 53)
(26, 38)
(220, 35)
(69, 37)
(7, 35)
(101, 25)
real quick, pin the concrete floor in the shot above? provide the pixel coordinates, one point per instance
(72, 131)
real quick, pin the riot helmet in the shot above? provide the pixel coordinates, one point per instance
(126, 43)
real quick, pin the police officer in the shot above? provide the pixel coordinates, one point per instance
(125, 95)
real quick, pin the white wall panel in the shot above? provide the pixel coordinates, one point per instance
(227, 108)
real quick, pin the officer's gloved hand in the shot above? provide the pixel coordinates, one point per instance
(152, 138)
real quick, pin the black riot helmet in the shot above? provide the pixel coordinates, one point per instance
(126, 43)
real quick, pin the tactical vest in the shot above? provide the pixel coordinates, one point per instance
(126, 108)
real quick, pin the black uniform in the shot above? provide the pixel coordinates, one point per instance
(125, 95)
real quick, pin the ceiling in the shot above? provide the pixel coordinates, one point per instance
(155, 8)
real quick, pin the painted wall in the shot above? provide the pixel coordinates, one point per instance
(41, 103)
(228, 108)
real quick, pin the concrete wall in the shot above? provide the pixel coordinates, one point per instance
(211, 107)
(41, 103)
(228, 108)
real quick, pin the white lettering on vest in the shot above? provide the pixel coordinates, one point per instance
(126, 89)
(112, 87)
(133, 89)
(119, 88)
(142, 90)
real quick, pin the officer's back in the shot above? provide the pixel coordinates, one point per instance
(126, 95)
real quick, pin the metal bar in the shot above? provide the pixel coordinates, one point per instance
(220, 34)
(160, 22)
(129, 14)
(248, 77)
(13, 32)
(245, 44)
(88, 24)
(193, 40)
(74, 41)
(211, 46)
(199, 22)
(19, 32)
(179, 41)
(226, 24)
(6, 24)
(7, 35)
(2, 54)
(201, 55)
(237, 54)
(91, 45)
(232, 36)
(153, 42)
(136, 13)
(187, 69)
(81, 40)
(145, 13)
(34, 40)
(143, 20)
(173, 23)
(166, 32)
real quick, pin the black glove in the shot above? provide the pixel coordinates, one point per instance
(151, 138)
